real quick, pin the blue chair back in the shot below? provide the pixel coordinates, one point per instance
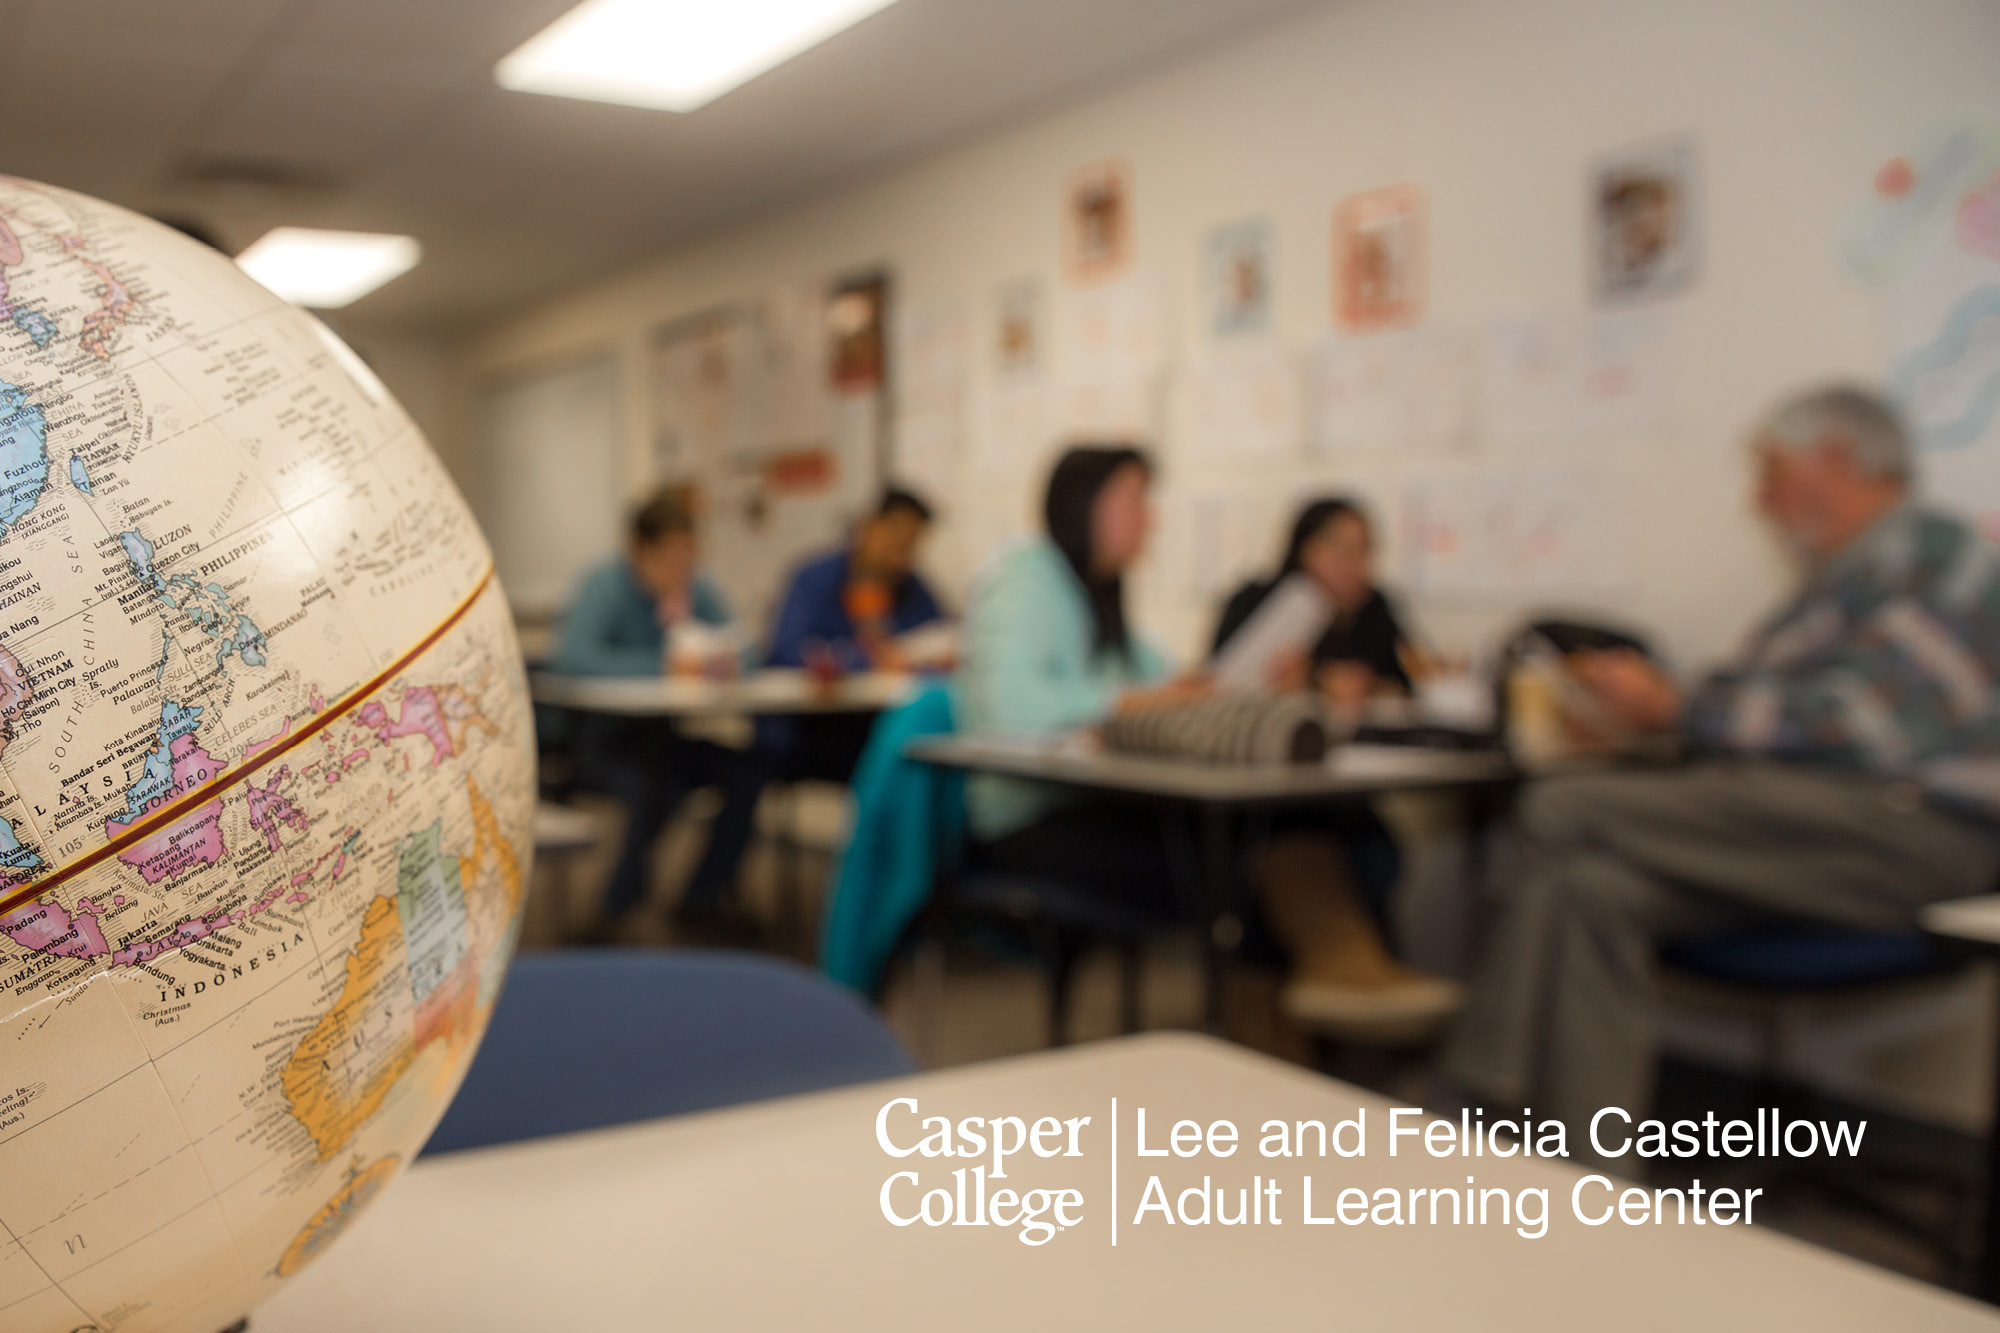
(581, 1039)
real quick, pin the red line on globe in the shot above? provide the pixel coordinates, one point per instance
(203, 795)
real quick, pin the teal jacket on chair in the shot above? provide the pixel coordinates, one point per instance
(906, 816)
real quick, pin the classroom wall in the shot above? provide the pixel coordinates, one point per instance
(1495, 109)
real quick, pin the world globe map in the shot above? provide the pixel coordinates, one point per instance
(266, 779)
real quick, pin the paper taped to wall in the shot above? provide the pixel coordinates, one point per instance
(1547, 529)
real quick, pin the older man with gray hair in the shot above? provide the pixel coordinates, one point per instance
(1845, 769)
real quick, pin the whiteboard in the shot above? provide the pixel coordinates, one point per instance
(548, 493)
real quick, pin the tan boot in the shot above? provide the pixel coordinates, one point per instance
(1344, 981)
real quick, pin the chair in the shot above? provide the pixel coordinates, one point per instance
(901, 880)
(1779, 965)
(1059, 922)
(585, 1039)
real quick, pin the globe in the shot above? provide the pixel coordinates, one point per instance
(266, 779)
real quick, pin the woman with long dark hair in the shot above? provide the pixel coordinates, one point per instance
(1363, 649)
(1049, 650)
(1314, 853)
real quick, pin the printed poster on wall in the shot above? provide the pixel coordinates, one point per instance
(1241, 405)
(1502, 533)
(1645, 221)
(931, 353)
(1563, 379)
(1389, 390)
(1018, 329)
(1237, 271)
(1379, 259)
(1097, 222)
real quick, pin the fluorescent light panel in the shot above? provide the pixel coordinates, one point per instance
(327, 269)
(671, 55)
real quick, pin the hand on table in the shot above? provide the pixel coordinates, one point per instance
(1288, 671)
(1347, 686)
(1632, 688)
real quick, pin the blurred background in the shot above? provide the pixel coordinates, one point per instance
(1519, 275)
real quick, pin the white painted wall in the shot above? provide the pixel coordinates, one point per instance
(1495, 108)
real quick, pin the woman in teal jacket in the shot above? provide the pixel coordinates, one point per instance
(1048, 651)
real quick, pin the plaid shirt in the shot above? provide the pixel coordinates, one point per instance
(1885, 663)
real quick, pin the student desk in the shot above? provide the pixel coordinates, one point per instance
(768, 1217)
(1219, 796)
(701, 700)
(771, 691)
(1972, 925)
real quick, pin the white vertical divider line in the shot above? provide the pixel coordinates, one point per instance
(1114, 1173)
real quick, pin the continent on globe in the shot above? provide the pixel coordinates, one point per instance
(13, 856)
(206, 605)
(176, 766)
(15, 691)
(79, 475)
(327, 1224)
(269, 807)
(419, 954)
(24, 455)
(114, 304)
(41, 330)
(344, 1067)
(50, 928)
(430, 896)
(441, 714)
(47, 927)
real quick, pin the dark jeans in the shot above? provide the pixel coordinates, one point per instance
(649, 767)
(1120, 853)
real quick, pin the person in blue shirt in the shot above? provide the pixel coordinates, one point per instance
(622, 622)
(848, 606)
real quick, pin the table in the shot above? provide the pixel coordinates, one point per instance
(1218, 794)
(769, 692)
(1972, 925)
(1350, 771)
(768, 1217)
(772, 691)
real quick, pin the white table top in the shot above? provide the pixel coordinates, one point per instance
(1348, 770)
(768, 1217)
(773, 690)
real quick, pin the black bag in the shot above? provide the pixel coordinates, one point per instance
(1557, 636)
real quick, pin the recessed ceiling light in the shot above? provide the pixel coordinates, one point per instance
(671, 55)
(327, 269)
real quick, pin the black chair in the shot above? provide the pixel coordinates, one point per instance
(1060, 923)
(1779, 964)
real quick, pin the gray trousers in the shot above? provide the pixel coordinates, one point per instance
(1560, 1013)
